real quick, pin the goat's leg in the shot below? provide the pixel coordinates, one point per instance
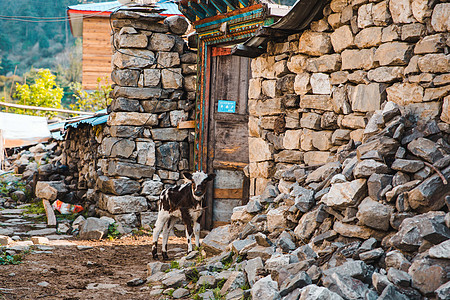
(197, 233)
(166, 233)
(163, 217)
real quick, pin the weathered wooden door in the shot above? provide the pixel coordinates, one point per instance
(228, 134)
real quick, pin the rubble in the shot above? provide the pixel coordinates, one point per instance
(348, 229)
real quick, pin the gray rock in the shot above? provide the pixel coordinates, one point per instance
(399, 278)
(126, 169)
(236, 294)
(152, 187)
(356, 269)
(208, 295)
(384, 145)
(169, 134)
(265, 288)
(390, 292)
(217, 240)
(314, 292)
(262, 240)
(380, 282)
(409, 166)
(276, 218)
(306, 226)
(374, 214)
(124, 204)
(376, 184)
(50, 190)
(156, 267)
(161, 42)
(413, 231)
(253, 206)
(342, 195)
(285, 242)
(443, 291)
(94, 229)
(427, 275)
(304, 198)
(238, 245)
(294, 295)
(168, 156)
(136, 282)
(441, 250)
(395, 259)
(252, 268)
(366, 168)
(276, 261)
(300, 280)
(372, 255)
(119, 186)
(177, 24)
(425, 149)
(180, 293)
(259, 251)
(430, 194)
(323, 172)
(348, 287)
(174, 279)
(235, 280)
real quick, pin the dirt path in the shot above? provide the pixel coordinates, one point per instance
(100, 272)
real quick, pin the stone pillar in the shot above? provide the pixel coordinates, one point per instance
(142, 149)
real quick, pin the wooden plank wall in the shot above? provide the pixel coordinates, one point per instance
(97, 51)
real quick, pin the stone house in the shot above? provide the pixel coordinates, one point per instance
(318, 72)
(273, 86)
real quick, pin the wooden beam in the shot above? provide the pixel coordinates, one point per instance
(46, 109)
(231, 5)
(186, 125)
(208, 8)
(51, 218)
(228, 193)
(197, 10)
(219, 6)
(244, 2)
(2, 149)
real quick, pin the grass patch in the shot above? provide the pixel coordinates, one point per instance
(173, 265)
(193, 276)
(113, 233)
(6, 259)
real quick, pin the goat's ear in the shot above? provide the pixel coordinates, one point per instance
(211, 177)
(187, 175)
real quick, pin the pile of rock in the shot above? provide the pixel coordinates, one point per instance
(28, 166)
(373, 225)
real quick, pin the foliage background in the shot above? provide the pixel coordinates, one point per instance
(27, 46)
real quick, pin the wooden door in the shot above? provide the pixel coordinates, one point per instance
(228, 134)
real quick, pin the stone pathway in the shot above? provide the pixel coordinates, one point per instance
(19, 231)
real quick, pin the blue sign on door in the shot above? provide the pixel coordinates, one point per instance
(227, 106)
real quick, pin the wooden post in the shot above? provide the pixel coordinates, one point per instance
(2, 150)
(51, 218)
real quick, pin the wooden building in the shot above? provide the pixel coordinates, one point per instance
(91, 22)
(229, 34)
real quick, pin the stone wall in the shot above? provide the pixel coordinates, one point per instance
(315, 91)
(141, 149)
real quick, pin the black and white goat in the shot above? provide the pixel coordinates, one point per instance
(181, 202)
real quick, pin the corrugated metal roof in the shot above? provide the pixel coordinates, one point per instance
(171, 8)
(92, 121)
(297, 19)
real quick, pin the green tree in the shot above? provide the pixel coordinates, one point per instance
(91, 101)
(43, 93)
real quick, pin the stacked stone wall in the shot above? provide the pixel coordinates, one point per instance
(80, 156)
(142, 150)
(315, 91)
